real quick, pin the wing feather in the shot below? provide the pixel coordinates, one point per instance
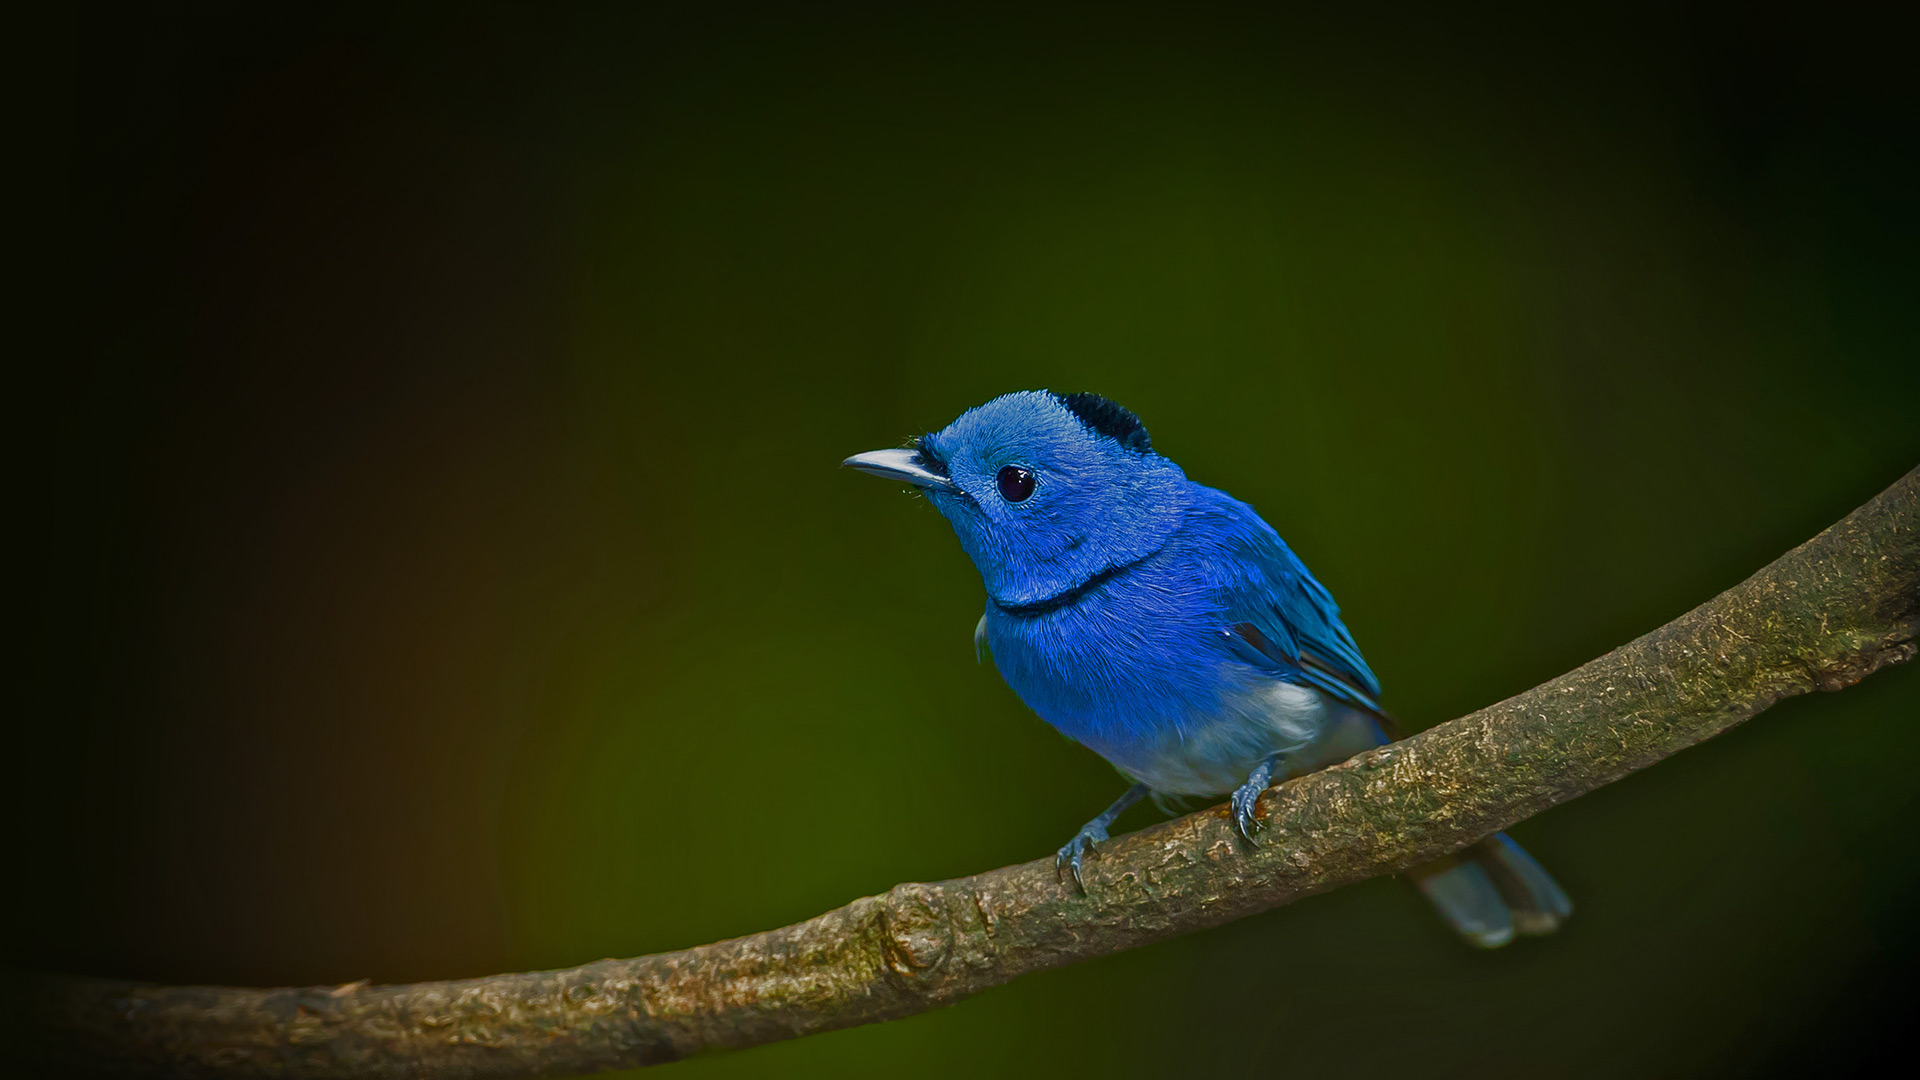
(1282, 618)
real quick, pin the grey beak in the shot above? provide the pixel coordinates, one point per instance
(901, 465)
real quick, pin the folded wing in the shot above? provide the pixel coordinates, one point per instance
(1282, 619)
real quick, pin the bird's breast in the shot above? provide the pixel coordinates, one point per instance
(1135, 670)
(1120, 663)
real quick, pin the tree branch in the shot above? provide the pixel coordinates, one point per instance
(1822, 617)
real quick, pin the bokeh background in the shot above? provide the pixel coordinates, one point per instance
(438, 563)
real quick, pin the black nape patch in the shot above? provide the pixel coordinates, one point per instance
(1109, 419)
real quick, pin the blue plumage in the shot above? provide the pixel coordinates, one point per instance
(1167, 627)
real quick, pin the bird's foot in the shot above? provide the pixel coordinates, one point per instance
(1246, 798)
(1093, 832)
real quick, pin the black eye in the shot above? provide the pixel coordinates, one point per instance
(1015, 483)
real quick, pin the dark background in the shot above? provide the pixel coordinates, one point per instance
(437, 562)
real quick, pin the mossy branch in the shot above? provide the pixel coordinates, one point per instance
(1822, 617)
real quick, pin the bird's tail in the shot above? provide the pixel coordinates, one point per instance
(1492, 891)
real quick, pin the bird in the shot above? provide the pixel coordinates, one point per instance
(1166, 626)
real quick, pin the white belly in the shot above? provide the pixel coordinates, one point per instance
(1214, 756)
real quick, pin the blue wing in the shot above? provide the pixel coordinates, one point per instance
(1281, 618)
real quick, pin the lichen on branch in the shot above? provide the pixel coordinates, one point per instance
(1821, 617)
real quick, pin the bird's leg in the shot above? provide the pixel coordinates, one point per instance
(1095, 832)
(1247, 795)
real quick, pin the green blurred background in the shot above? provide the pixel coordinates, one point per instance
(439, 565)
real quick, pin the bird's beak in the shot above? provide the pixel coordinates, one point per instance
(902, 465)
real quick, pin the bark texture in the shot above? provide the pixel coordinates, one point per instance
(1822, 617)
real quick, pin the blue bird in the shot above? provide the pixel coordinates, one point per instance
(1165, 626)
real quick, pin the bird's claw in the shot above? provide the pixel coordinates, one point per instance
(1245, 799)
(1077, 849)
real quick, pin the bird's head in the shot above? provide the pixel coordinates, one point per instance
(1044, 490)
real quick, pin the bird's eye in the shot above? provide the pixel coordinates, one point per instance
(1016, 483)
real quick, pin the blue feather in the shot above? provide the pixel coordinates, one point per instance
(1166, 626)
